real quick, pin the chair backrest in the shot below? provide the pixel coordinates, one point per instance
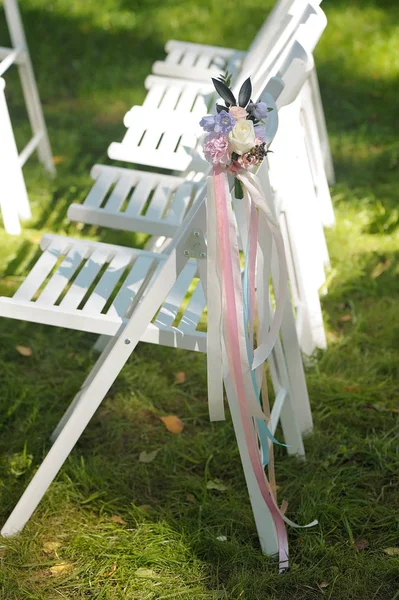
(291, 19)
(280, 90)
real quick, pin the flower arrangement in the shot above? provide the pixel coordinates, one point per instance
(236, 134)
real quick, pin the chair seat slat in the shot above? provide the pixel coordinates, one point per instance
(61, 277)
(189, 58)
(180, 203)
(154, 95)
(83, 281)
(170, 307)
(194, 310)
(158, 202)
(131, 286)
(38, 274)
(139, 197)
(120, 192)
(100, 189)
(106, 285)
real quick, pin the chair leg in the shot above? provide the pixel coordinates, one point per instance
(299, 392)
(314, 147)
(263, 519)
(288, 414)
(69, 431)
(321, 126)
(28, 81)
(14, 201)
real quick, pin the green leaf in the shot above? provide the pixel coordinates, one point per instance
(224, 92)
(226, 78)
(238, 191)
(219, 108)
(245, 93)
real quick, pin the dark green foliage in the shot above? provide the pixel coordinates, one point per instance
(224, 92)
(245, 93)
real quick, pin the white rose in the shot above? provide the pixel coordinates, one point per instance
(242, 136)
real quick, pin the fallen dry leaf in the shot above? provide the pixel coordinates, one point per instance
(148, 573)
(392, 551)
(24, 350)
(345, 318)
(147, 457)
(351, 388)
(361, 544)
(57, 160)
(61, 569)
(180, 377)
(113, 569)
(323, 585)
(173, 423)
(191, 498)
(3, 552)
(380, 268)
(50, 547)
(118, 519)
(216, 485)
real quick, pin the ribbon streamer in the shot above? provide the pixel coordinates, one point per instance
(231, 307)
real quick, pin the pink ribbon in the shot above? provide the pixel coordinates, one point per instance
(237, 355)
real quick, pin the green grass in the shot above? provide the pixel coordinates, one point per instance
(91, 59)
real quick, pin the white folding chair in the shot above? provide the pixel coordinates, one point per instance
(166, 137)
(199, 62)
(74, 284)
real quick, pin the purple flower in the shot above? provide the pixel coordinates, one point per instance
(260, 132)
(258, 109)
(217, 149)
(208, 123)
(224, 122)
(221, 123)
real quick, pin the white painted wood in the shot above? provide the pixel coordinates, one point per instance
(14, 203)
(84, 280)
(61, 277)
(171, 306)
(139, 197)
(28, 83)
(131, 286)
(100, 190)
(107, 284)
(194, 310)
(38, 274)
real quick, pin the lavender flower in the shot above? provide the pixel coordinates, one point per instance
(221, 123)
(224, 122)
(260, 132)
(258, 109)
(208, 123)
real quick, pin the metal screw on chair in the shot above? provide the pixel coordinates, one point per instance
(186, 253)
(127, 341)
(202, 254)
(196, 233)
